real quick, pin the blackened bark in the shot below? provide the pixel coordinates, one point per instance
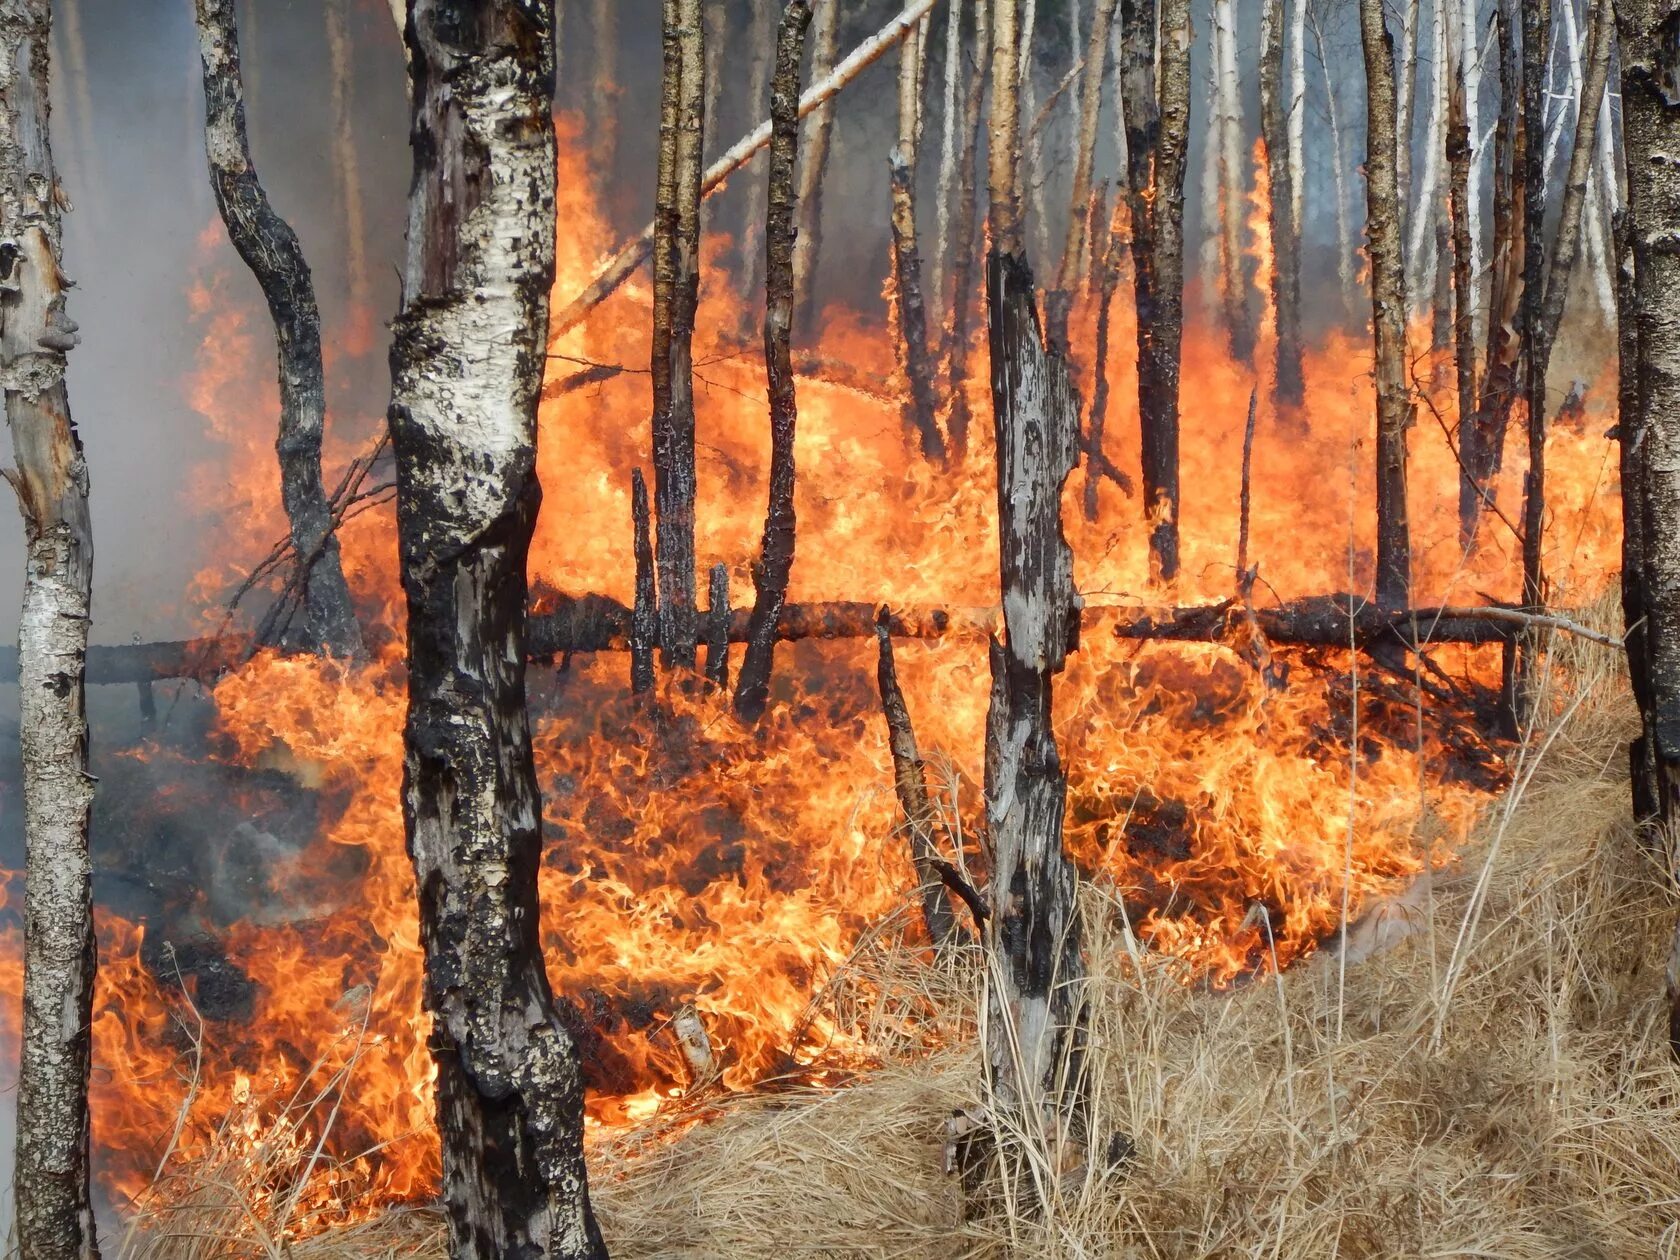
(910, 305)
(1647, 794)
(676, 271)
(1388, 308)
(54, 1216)
(271, 250)
(910, 784)
(717, 628)
(963, 217)
(644, 615)
(1286, 264)
(1036, 1007)
(775, 563)
(1534, 355)
(1157, 138)
(467, 362)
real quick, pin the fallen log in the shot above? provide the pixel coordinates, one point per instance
(596, 623)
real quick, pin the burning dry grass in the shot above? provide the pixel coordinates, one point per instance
(1494, 1082)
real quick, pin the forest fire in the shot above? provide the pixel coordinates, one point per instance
(692, 861)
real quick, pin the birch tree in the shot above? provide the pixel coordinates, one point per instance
(54, 1213)
(467, 366)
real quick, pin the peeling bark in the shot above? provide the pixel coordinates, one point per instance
(676, 285)
(467, 362)
(1388, 307)
(775, 563)
(270, 249)
(54, 1216)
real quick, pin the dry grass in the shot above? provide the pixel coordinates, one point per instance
(1497, 1084)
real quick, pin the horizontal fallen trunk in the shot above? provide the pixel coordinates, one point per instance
(595, 623)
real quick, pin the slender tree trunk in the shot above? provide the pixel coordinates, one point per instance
(1286, 262)
(1421, 260)
(270, 249)
(1405, 85)
(775, 564)
(1344, 230)
(964, 213)
(950, 129)
(1388, 308)
(1058, 303)
(763, 44)
(914, 358)
(644, 615)
(1459, 162)
(466, 365)
(54, 1214)
(608, 96)
(1157, 106)
(346, 166)
(825, 47)
(1232, 180)
(676, 271)
(1295, 92)
(1035, 1012)
(718, 618)
(1468, 66)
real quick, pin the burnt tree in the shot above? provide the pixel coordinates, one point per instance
(775, 561)
(271, 250)
(1388, 309)
(54, 1214)
(676, 298)
(467, 363)
(1157, 109)
(1034, 1002)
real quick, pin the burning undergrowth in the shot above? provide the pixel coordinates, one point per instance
(261, 979)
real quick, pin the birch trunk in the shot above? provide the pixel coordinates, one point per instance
(1058, 303)
(346, 165)
(825, 46)
(1469, 68)
(54, 1214)
(270, 249)
(950, 128)
(467, 364)
(909, 305)
(1405, 71)
(775, 564)
(607, 95)
(1459, 163)
(1344, 230)
(1423, 261)
(676, 271)
(1388, 310)
(1286, 268)
(964, 214)
(1232, 181)
(763, 43)
(1295, 89)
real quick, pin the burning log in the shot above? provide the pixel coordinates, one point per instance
(271, 250)
(676, 298)
(623, 264)
(910, 784)
(717, 628)
(1034, 1007)
(909, 304)
(1388, 305)
(1157, 110)
(644, 615)
(467, 364)
(1058, 303)
(807, 243)
(54, 1218)
(1275, 115)
(775, 565)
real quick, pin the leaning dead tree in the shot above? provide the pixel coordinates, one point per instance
(54, 1214)
(1650, 422)
(466, 363)
(775, 561)
(1275, 118)
(1035, 1008)
(676, 298)
(1388, 306)
(271, 250)
(1155, 88)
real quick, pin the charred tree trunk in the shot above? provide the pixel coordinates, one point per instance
(1058, 303)
(1536, 24)
(1157, 108)
(1096, 420)
(676, 281)
(466, 364)
(909, 304)
(270, 249)
(1286, 263)
(825, 47)
(718, 617)
(54, 1212)
(775, 562)
(910, 785)
(963, 216)
(644, 615)
(1388, 310)
(1034, 1004)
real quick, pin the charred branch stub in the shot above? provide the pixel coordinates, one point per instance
(1157, 109)
(270, 249)
(775, 562)
(467, 363)
(1388, 306)
(1035, 1003)
(644, 615)
(910, 783)
(54, 1214)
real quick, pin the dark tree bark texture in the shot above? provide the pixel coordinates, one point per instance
(467, 363)
(644, 614)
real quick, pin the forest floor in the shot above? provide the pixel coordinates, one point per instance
(1495, 1080)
